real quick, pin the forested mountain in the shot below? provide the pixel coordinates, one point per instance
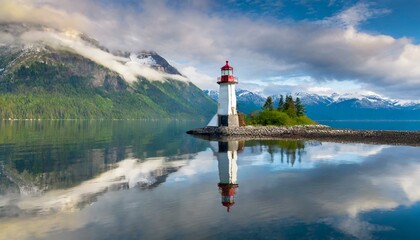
(52, 74)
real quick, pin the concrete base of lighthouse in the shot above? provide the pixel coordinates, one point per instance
(228, 120)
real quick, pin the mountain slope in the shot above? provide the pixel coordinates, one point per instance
(77, 78)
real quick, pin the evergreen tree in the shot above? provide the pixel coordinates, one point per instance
(281, 103)
(300, 109)
(268, 105)
(290, 104)
(287, 103)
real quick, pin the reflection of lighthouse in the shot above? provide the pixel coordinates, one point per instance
(227, 156)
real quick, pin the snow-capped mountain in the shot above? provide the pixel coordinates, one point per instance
(153, 60)
(213, 94)
(336, 106)
(241, 95)
(66, 74)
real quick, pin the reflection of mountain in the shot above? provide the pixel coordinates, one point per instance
(129, 173)
(41, 156)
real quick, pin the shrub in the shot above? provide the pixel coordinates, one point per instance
(277, 118)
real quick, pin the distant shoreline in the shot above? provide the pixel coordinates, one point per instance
(310, 132)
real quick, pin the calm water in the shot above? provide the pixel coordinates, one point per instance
(413, 125)
(149, 180)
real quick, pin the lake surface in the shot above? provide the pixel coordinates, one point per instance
(149, 180)
(404, 125)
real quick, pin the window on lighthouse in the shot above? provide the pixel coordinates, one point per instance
(227, 72)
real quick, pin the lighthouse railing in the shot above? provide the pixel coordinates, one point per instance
(230, 79)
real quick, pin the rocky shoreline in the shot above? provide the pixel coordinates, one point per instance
(310, 132)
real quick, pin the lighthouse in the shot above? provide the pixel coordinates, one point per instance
(227, 156)
(227, 114)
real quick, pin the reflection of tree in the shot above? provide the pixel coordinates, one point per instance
(289, 150)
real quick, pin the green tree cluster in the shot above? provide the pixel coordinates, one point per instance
(288, 112)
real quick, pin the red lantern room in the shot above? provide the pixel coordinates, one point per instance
(227, 75)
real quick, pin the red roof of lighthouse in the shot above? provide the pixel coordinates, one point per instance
(227, 66)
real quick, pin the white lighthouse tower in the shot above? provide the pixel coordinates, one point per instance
(226, 111)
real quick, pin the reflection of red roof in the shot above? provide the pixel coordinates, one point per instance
(227, 66)
(228, 205)
(228, 193)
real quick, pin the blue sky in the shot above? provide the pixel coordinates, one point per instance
(401, 21)
(320, 46)
(398, 18)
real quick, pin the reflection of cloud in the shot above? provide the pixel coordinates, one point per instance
(39, 228)
(310, 156)
(382, 181)
(345, 152)
(355, 227)
(193, 168)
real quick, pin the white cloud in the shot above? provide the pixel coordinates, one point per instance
(203, 81)
(320, 90)
(41, 12)
(354, 15)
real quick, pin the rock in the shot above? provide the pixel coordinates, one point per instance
(316, 132)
